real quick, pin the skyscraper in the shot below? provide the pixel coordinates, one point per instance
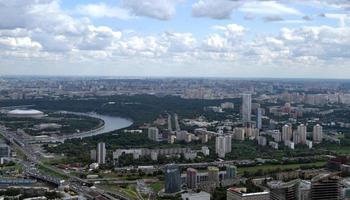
(101, 153)
(246, 108)
(228, 143)
(258, 118)
(317, 134)
(302, 133)
(153, 134)
(172, 178)
(191, 178)
(287, 133)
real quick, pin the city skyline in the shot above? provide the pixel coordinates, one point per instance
(180, 38)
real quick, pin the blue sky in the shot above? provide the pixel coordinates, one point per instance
(176, 38)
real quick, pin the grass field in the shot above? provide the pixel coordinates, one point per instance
(157, 186)
(282, 167)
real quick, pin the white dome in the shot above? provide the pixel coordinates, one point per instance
(31, 112)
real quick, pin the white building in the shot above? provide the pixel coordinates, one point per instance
(196, 196)
(317, 134)
(153, 134)
(223, 145)
(287, 133)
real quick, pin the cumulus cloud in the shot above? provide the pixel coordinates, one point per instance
(158, 9)
(218, 9)
(102, 10)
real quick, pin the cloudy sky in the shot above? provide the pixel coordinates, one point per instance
(216, 38)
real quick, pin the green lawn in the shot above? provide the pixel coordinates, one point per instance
(282, 167)
(157, 186)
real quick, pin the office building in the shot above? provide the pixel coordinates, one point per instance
(258, 118)
(325, 187)
(317, 134)
(101, 153)
(191, 178)
(153, 134)
(195, 196)
(234, 193)
(287, 133)
(246, 108)
(231, 172)
(172, 178)
(302, 133)
(283, 190)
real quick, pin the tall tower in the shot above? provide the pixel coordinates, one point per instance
(101, 153)
(287, 133)
(258, 118)
(317, 134)
(246, 108)
(191, 178)
(172, 178)
(220, 146)
(302, 133)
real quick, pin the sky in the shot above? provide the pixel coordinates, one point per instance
(176, 38)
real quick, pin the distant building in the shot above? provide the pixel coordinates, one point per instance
(205, 150)
(258, 118)
(302, 133)
(191, 178)
(5, 151)
(317, 134)
(93, 155)
(195, 196)
(241, 194)
(262, 141)
(239, 134)
(231, 172)
(101, 153)
(213, 175)
(223, 145)
(153, 134)
(246, 108)
(287, 133)
(172, 178)
(325, 187)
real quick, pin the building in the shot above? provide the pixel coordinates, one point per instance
(258, 118)
(231, 172)
(191, 178)
(213, 175)
(283, 190)
(25, 113)
(223, 145)
(153, 134)
(262, 141)
(325, 187)
(172, 178)
(302, 133)
(234, 193)
(5, 151)
(93, 155)
(246, 108)
(101, 153)
(195, 196)
(239, 134)
(205, 151)
(317, 134)
(287, 133)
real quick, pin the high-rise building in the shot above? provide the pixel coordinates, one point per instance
(317, 134)
(172, 178)
(283, 190)
(258, 118)
(153, 134)
(287, 133)
(93, 155)
(231, 171)
(4, 150)
(101, 153)
(302, 133)
(246, 108)
(223, 145)
(325, 187)
(191, 178)
(213, 175)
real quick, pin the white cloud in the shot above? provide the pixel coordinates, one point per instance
(102, 10)
(218, 9)
(158, 9)
(268, 8)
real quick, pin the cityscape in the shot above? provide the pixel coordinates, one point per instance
(175, 100)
